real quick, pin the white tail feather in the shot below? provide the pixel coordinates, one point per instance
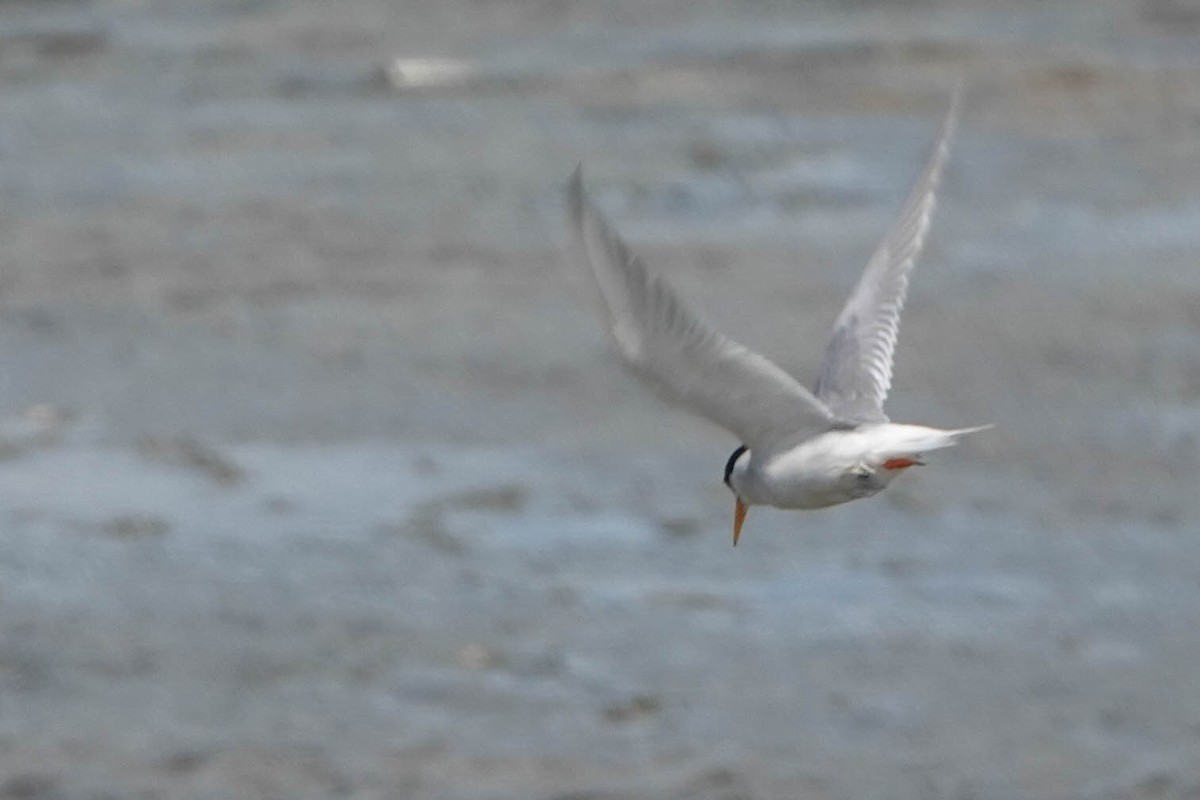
(906, 440)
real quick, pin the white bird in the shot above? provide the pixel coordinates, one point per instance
(800, 449)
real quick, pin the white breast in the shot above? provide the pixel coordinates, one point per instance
(829, 469)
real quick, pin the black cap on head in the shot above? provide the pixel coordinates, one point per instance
(733, 460)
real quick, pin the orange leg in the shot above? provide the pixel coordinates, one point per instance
(902, 463)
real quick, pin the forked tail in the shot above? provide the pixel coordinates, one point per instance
(901, 440)
(950, 438)
(976, 429)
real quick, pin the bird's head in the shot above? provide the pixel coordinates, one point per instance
(735, 468)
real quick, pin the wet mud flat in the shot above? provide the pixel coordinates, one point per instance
(317, 479)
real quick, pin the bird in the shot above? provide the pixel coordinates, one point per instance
(800, 449)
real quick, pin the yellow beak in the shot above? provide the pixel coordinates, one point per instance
(739, 516)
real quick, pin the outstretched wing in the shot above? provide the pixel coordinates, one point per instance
(664, 344)
(856, 372)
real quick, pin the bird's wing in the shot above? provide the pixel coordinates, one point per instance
(856, 372)
(664, 344)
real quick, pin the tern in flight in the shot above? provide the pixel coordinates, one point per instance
(800, 449)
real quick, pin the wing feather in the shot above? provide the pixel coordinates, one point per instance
(856, 372)
(693, 365)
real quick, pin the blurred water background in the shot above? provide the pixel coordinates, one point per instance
(319, 481)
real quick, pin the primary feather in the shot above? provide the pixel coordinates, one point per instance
(856, 372)
(666, 345)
